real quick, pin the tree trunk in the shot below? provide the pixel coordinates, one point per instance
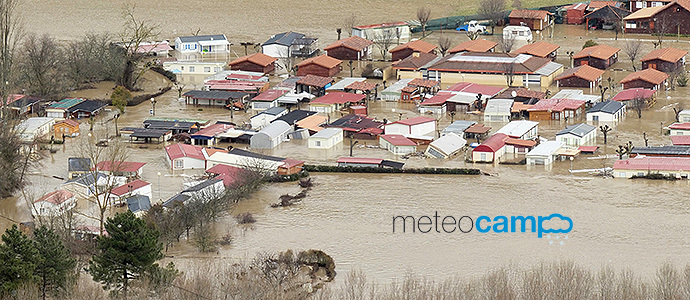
(124, 283)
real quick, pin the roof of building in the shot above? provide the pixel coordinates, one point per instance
(32, 124)
(212, 130)
(414, 121)
(609, 107)
(362, 86)
(415, 61)
(520, 107)
(671, 150)
(579, 130)
(129, 187)
(520, 142)
(287, 39)
(493, 143)
(154, 47)
(137, 203)
(598, 51)
(256, 58)
(528, 14)
(398, 140)
(270, 95)
(359, 160)
(198, 38)
(426, 83)
(78, 164)
(576, 94)
(608, 12)
(202, 185)
(90, 106)
(520, 92)
(179, 198)
(87, 179)
(345, 82)
(585, 72)
(546, 148)
(119, 166)
(599, 4)
(475, 88)
(215, 95)
(69, 122)
(56, 197)
(397, 86)
(66, 103)
(478, 129)
(554, 104)
(416, 46)
(353, 122)
(478, 45)
(246, 153)
(338, 98)
(180, 150)
(321, 60)
(588, 149)
(680, 126)
(669, 54)
(312, 122)
(539, 49)
(491, 62)
(382, 25)
(644, 13)
(316, 81)
(354, 42)
(631, 94)
(518, 128)
(680, 140)
(169, 124)
(328, 133)
(295, 116)
(437, 99)
(498, 106)
(653, 163)
(649, 75)
(449, 143)
(276, 128)
(229, 174)
(22, 101)
(458, 126)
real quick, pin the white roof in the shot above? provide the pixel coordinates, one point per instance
(576, 95)
(449, 143)
(276, 128)
(684, 112)
(517, 128)
(31, 124)
(292, 98)
(498, 106)
(328, 133)
(464, 98)
(546, 148)
(214, 42)
(340, 85)
(548, 68)
(397, 86)
(222, 74)
(463, 57)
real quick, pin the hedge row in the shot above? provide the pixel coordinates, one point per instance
(351, 169)
(288, 178)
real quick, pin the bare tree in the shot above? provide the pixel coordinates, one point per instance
(350, 23)
(506, 43)
(41, 63)
(472, 35)
(638, 104)
(632, 49)
(509, 72)
(423, 15)
(492, 10)
(677, 108)
(10, 36)
(286, 60)
(384, 39)
(663, 24)
(444, 44)
(605, 131)
(517, 4)
(135, 33)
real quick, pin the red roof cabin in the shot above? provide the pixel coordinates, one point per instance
(417, 126)
(647, 79)
(402, 51)
(478, 45)
(322, 65)
(583, 77)
(185, 157)
(491, 149)
(352, 48)
(257, 62)
(556, 109)
(534, 19)
(121, 168)
(599, 56)
(397, 144)
(666, 60)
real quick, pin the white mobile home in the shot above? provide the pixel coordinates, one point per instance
(54, 204)
(577, 135)
(216, 43)
(498, 110)
(419, 126)
(524, 130)
(267, 116)
(397, 144)
(446, 146)
(607, 111)
(544, 153)
(185, 157)
(35, 128)
(326, 138)
(271, 136)
(521, 35)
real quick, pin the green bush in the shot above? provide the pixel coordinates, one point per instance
(682, 79)
(589, 43)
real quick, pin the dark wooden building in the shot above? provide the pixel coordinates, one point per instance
(583, 76)
(666, 60)
(599, 56)
(647, 79)
(257, 62)
(352, 48)
(322, 65)
(534, 19)
(405, 50)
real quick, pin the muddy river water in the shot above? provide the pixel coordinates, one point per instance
(624, 223)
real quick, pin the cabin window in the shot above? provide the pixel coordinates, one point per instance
(216, 69)
(621, 174)
(207, 69)
(318, 143)
(640, 173)
(483, 156)
(191, 69)
(179, 164)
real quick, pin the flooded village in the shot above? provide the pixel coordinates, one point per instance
(243, 142)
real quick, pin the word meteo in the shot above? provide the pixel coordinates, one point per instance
(552, 223)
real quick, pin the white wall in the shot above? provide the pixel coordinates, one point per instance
(398, 150)
(188, 163)
(325, 143)
(275, 50)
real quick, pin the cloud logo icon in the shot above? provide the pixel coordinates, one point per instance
(549, 225)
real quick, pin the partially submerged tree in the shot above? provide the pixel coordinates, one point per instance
(492, 10)
(121, 97)
(605, 129)
(135, 33)
(632, 49)
(638, 104)
(444, 44)
(350, 23)
(423, 15)
(129, 251)
(10, 36)
(509, 72)
(383, 40)
(506, 43)
(677, 108)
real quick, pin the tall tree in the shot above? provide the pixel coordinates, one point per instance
(444, 44)
(384, 40)
(120, 97)
(492, 10)
(129, 251)
(54, 263)
(18, 255)
(10, 36)
(423, 15)
(632, 49)
(135, 33)
(41, 63)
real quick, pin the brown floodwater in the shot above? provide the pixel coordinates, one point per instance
(624, 223)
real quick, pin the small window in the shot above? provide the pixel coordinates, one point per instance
(640, 173)
(191, 69)
(318, 143)
(179, 164)
(207, 69)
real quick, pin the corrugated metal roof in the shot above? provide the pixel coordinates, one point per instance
(518, 128)
(610, 107)
(548, 69)
(545, 148)
(580, 130)
(198, 38)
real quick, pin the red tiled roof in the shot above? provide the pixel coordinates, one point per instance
(423, 83)
(669, 54)
(519, 106)
(228, 174)
(414, 62)
(478, 45)
(680, 140)
(493, 143)
(313, 80)
(408, 89)
(475, 88)
(416, 46)
(212, 130)
(519, 142)
(437, 99)
(598, 51)
(653, 163)
(69, 122)
(359, 160)
(119, 166)
(557, 104)
(680, 126)
(289, 163)
(354, 42)
(478, 129)
(256, 58)
(269, 95)
(180, 150)
(381, 25)
(211, 151)
(585, 72)
(128, 187)
(339, 97)
(528, 14)
(599, 4)
(588, 149)
(414, 121)
(521, 92)
(321, 60)
(649, 75)
(631, 94)
(56, 197)
(362, 86)
(398, 140)
(540, 49)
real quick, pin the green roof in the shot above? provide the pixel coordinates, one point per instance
(67, 103)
